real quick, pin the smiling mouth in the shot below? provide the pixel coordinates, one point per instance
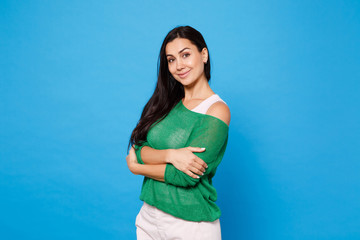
(184, 74)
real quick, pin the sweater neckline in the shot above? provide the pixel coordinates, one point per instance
(202, 102)
(201, 114)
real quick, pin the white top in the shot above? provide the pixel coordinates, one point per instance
(206, 104)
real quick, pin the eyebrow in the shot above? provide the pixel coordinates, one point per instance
(179, 51)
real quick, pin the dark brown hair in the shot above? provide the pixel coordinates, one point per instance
(168, 91)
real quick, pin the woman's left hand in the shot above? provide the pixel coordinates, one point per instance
(132, 160)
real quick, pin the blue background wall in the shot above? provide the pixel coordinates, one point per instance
(75, 76)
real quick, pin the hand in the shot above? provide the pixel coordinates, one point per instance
(187, 162)
(132, 160)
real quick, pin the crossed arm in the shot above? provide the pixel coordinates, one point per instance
(152, 163)
(152, 171)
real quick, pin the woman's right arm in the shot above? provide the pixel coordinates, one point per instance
(182, 159)
(149, 155)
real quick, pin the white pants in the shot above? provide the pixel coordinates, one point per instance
(153, 224)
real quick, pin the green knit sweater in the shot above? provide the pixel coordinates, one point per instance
(181, 195)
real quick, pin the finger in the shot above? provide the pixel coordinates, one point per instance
(191, 174)
(196, 149)
(198, 166)
(196, 171)
(201, 162)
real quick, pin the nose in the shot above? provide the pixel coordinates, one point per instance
(179, 64)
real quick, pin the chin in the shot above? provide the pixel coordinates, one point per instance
(190, 80)
(186, 82)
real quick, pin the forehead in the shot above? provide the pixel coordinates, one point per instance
(178, 44)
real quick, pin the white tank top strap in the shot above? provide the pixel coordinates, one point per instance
(206, 104)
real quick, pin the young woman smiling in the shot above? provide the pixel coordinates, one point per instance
(178, 144)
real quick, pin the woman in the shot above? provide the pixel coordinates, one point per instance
(178, 143)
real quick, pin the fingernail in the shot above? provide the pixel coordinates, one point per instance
(202, 148)
(198, 177)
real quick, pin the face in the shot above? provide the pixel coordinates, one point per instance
(185, 62)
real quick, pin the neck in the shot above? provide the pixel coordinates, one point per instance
(198, 90)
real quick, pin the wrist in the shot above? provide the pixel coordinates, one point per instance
(136, 169)
(168, 155)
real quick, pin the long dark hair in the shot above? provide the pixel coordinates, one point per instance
(168, 91)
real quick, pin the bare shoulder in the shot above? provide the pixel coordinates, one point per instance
(220, 110)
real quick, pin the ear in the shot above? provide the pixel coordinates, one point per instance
(205, 55)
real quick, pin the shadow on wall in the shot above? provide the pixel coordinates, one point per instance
(243, 191)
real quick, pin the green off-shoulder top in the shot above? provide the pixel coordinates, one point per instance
(181, 195)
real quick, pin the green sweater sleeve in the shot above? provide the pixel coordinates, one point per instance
(138, 151)
(212, 134)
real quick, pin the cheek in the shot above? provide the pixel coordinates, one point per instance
(198, 65)
(195, 62)
(171, 68)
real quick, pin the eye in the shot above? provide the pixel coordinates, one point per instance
(186, 55)
(170, 60)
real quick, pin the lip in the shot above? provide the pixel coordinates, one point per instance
(184, 74)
